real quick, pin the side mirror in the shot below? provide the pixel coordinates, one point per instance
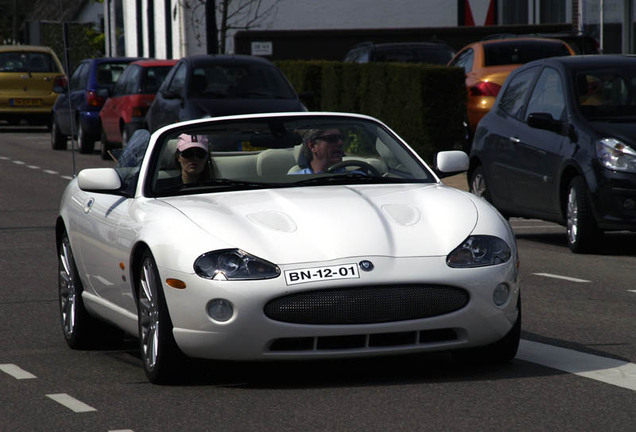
(448, 163)
(545, 121)
(99, 180)
(170, 95)
(60, 84)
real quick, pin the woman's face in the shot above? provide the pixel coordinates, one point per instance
(192, 162)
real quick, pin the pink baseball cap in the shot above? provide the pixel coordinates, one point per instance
(186, 141)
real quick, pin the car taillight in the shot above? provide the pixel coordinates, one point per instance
(139, 111)
(93, 99)
(60, 81)
(485, 88)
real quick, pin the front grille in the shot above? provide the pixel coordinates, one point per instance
(366, 305)
(363, 341)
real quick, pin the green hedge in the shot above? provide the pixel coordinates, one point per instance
(424, 104)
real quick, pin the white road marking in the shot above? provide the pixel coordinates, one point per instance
(70, 402)
(634, 291)
(17, 162)
(571, 279)
(16, 372)
(50, 172)
(615, 372)
(35, 167)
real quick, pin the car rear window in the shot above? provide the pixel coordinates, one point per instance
(435, 55)
(108, 73)
(27, 62)
(519, 52)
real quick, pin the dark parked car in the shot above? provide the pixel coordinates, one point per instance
(125, 109)
(406, 52)
(88, 89)
(217, 85)
(560, 145)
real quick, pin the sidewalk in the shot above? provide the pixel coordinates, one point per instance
(457, 181)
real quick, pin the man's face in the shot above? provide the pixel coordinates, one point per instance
(327, 147)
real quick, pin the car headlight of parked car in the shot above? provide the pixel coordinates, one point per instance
(615, 155)
(234, 264)
(479, 251)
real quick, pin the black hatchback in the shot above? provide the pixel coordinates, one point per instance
(217, 85)
(560, 145)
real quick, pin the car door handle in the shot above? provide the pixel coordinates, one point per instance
(514, 140)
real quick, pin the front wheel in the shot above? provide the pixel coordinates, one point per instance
(582, 232)
(477, 183)
(159, 351)
(58, 140)
(85, 142)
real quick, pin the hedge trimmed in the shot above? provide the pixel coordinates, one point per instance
(424, 104)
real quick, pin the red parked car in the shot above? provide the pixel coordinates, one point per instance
(126, 107)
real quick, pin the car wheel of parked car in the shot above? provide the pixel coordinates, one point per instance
(477, 183)
(84, 142)
(502, 351)
(81, 331)
(105, 146)
(159, 351)
(582, 233)
(58, 140)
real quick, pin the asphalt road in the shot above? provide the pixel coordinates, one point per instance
(575, 370)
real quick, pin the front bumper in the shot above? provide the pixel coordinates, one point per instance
(251, 335)
(614, 200)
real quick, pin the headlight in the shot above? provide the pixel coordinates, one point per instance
(234, 264)
(479, 251)
(615, 155)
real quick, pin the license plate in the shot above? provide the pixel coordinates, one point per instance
(314, 274)
(25, 102)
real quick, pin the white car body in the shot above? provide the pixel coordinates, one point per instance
(405, 230)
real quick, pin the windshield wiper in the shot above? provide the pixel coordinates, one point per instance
(342, 179)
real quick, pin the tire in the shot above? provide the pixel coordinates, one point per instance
(477, 183)
(583, 234)
(105, 147)
(501, 352)
(85, 142)
(58, 140)
(81, 331)
(160, 354)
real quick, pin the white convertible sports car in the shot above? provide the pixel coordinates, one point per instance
(284, 236)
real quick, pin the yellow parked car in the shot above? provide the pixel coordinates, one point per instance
(27, 76)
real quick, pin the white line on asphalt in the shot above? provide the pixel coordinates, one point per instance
(33, 167)
(122, 430)
(50, 172)
(16, 372)
(571, 279)
(615, 372)
(71, 403)
(17, 162)
(634, 291)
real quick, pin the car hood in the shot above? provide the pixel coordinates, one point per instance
(324, 223)
(626, 132)
(222, 107)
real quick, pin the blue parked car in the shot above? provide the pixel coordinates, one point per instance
(88, 88)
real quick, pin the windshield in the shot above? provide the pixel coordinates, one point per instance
(239, 81)
(606, 94)
(285, 151)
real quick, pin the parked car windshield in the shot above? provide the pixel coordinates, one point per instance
(522, 51)
(285, 151)
(239, 81)
(607, 93)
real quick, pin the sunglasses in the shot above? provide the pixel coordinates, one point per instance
(192, 153)
(332, 138)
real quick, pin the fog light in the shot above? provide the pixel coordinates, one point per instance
(220, 310)
(500, 294)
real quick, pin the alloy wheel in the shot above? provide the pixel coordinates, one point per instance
(68, 289)
(149, 324)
